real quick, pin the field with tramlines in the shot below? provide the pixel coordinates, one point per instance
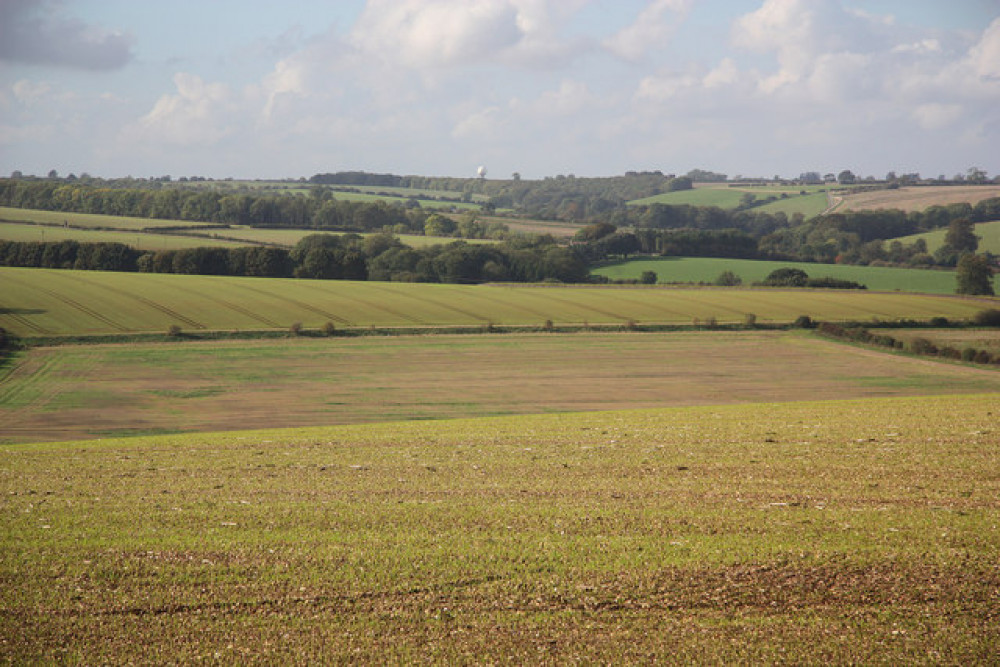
(40, 302)
(567, 484)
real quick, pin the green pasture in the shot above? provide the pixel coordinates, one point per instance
(401, 199)
(137, 239)
(707, 269)
(810, 204)
(844, 532)
(988, 233)
(42, 302)
(91, 220)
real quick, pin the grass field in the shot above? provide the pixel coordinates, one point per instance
(847, 532)
(71, 392)
(136, 239)
(988, 233)
(42, 302)
(91, 220)
(725, 196)
(707, 269)
(917, 198)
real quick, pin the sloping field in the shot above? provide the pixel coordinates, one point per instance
(726, 196)
(136, 239)
(77, 391)
(854, 532)
(707, 269)
(988, 233)
(917, 198)
(92, 220)
(53, 302)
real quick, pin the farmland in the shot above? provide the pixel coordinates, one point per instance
(811, 203)
(42, 302)
(918, 198)
(137, 239)
(816, 532)
(70, 392)
(988, 233)
(706, 270)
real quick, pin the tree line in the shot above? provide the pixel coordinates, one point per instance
(322, 256)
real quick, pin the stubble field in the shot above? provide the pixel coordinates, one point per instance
(73, 392)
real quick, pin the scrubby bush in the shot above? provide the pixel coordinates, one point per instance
(987, 318)
(648, 278)
(803, 322)
(969, 354)
(750, 320)
(922, 346)
(983, 357)
(173, 331)
(939, 322)
(728, 279)
(329, 328)
(295, 329)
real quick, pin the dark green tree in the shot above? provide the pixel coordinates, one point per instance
(974, 275)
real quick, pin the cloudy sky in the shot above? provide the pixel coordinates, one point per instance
(256, 89)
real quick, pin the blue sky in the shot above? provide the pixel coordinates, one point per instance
(541, 87)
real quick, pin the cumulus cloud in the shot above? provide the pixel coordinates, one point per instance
(652, 27)
(37, 32)
(985, 55)
(199, 113)
(435, 33)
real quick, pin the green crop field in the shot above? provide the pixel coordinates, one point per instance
(136, 239)
(707, 269)
(41, 302)
(724, 196)
(988, 233)
(92, 220)
(80, 391)
(845, 532)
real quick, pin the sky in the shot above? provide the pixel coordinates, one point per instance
(254, 89)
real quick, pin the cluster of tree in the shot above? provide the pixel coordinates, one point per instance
(322, 256)
(732, 243)
(792, 277)
(859, 237)
(321, 211)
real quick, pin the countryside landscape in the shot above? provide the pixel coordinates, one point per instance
(581, 333)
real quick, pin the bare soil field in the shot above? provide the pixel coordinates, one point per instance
(809, 533)
(917, 198)
(100, 390)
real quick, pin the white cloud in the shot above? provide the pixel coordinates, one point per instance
(437, 33)
(199, 113)
(29, 92)
(654, 25)
(985, 55)
(725, 74)
(934, 116)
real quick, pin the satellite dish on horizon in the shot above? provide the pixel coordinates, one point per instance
(481, 172)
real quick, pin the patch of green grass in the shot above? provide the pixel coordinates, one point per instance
(137, 239)
(707, 269)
